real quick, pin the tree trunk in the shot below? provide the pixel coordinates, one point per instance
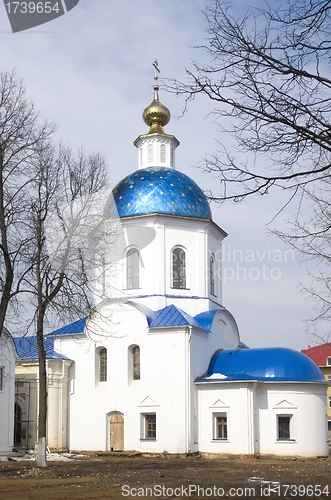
(42, 417)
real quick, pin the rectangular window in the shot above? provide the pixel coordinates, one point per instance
(284, 427)
(1, 378)
(329, 402)
(149, 431)
(328, 360)
(329, 378)
(220, 423)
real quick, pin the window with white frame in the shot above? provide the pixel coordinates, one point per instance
(103, 365)
(1, 378)
(211, 275)
(149, 426)
(136, 363)
(329, 378)
(141, 156)
(284, 432)
(328, 360)
(150, 153)
(220, 426)
(178, 268)
(132, 268)
(329, 402)
(163, 153)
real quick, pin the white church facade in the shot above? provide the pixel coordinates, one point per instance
(159, 364)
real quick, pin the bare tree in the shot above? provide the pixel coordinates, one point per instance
(269, 77)
(20, 138)
(311, 237)
(64, 209)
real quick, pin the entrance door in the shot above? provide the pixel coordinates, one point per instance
(116, 429)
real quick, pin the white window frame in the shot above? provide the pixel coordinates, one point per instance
(216, 415)
(143, 426)
(328, 361)
(291, 437)
(329, 401)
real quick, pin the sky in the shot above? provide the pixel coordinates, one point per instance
(90, 71)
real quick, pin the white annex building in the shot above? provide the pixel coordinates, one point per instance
(7, 386)
(159, 365)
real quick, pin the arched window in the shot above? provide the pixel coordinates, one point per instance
(211, 275)
(172, 157)
(103, 365)
(141, 156)
(150, 153)
(132, 268)
(163, 153)
(136, 363)
(178, 268)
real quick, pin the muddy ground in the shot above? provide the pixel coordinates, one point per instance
(108, 476)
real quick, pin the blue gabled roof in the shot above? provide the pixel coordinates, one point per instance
(268, 364)
(27, 348)
(76, 327)
(172, 316)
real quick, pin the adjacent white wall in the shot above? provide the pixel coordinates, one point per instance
(7, 363)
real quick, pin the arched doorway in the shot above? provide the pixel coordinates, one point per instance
(116, 432)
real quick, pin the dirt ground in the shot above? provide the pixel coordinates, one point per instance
(109, 476)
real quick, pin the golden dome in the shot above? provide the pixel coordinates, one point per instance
(156, 116)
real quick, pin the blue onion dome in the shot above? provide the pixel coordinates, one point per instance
(157, 190)
(269, 364)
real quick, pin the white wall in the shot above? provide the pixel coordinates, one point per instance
(7, 363)
(155, 237)
(252, 410)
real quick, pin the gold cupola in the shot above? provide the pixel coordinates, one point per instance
(156, 116)
(156, 148)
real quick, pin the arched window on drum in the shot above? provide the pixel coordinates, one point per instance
(132, 268)
(178, 268)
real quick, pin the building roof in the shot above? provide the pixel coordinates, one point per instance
(157, 190)
(269, 364)
(76, 327)
(319, 354)
(27, 348)
(172, 316)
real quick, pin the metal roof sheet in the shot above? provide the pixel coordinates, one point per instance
(76, 327)
(172, 316)
(269, 364)
(27, 348)
(157, 190)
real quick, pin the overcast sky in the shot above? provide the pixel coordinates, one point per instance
(90, 71)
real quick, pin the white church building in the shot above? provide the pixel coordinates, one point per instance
(159, 364)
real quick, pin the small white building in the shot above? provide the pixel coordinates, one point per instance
(7, 389)
(159, 364)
